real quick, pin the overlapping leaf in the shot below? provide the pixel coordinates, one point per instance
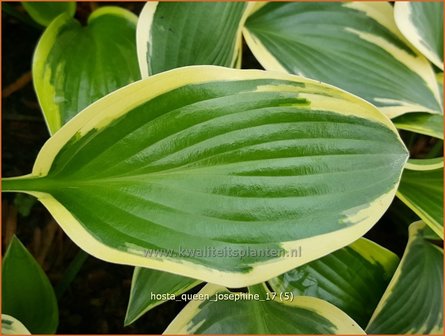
(422, 25)
(413, 301)
(200, 162)
(213, 314)
(45, 12)
(27, 294)
(423, 123)
(421, 188)
(74, 66)
(355, 46)
(352, 278)
(175, 34)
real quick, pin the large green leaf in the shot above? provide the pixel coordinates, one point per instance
(149, 288)
(421, 188)
(355, 46)
(214, 312)
(219, 174)
(352, 278)
(26, 291)
(420, 122)
(45, 12)
(175, 34)
(413, 301)
(74, 66)
(422, 25)
(12, 326)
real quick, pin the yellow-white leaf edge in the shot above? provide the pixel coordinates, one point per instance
(99, 114)
(143, 35)
(402, 15)
(423, 165)
(382, 12)
(414, 230)
(41, 72)
(12, 326)
(183, 324)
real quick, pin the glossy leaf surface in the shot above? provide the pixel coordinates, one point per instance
(45, 12)
(26, 291)
(421, 189)
(147, 285)
(353, 45)
(302, 315)
(422, 25)
(413, 301)
(219, 174)
(352, 278)
(175, 34)
(74, 66)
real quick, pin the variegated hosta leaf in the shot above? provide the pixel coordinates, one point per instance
(175, 34)
(421, 188)
(439, 79)
(171, 35)
(74, 66)
(215, 312)
(353, 45)
(420, 122)
(413, 301)
(352, 278)
(12, 326)
(149, 289)
(219, 174)
(27, 293)
(422, 25)
(45, 12)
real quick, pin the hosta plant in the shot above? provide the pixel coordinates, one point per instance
(165, 155)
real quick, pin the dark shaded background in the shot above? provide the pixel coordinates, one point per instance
(96, 300)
